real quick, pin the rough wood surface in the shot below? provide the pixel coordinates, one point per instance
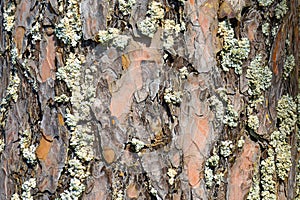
(97, 105)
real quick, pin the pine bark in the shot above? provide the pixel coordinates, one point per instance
(149, 107)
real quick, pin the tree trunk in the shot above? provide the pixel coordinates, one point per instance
(165, 99)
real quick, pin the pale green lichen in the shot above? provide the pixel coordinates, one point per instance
(27, 187)
(81, 82)
(288, 67)
(27, 149)
(62, 98)
(113, 34)
(172, 97)
(126, 6)
(2, 145)
(268, 183)
(172, 174)
(15, 197)
(241, 142)
(69, 28)
(9, 16)
(138, 144)
(253, 122)
(211, 163)
(265, 2)
(266, 29)
(70, 72)
(149, 25)
(281, 9)
(226, 148)
(234, 51)
(286, 113)
(259, 77)
(170, 31)
(254, 193)
(183, 72)
(79, 173)
(231, 116)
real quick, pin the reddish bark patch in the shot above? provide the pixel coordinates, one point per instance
(48, 63)
(43, 148)
(20, 31)
(241, 172)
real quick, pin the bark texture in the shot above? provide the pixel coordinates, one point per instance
(166, 99)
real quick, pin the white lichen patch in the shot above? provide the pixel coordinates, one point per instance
(61, 98)
(27, 149)
(27, 187)
(226, 148)
(209, 177)
(183, 72)
(69, 28)
(126, 6)
(234, 51)
(70, 72)
(286, 113)
(80, 80)
(265, 2)
(231, 116)
(254, 193)
(2, 145)
(172, 97)
(253, 122)
(9, 16)
(259, 77)
(170, 31)
(155, 13)
(241, 142)
(79, 173)
(288, 67)
(172, 174)
(267, 176)
(281, 9)
(266, 29)
(15, 197)
(138, 144)
(112, 35)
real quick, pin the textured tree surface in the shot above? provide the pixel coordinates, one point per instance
(162, 99)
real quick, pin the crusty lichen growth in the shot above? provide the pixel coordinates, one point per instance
(234, 51)
(288, 67)
(172, 173)
(253, 122)
(226, 148)
(126, 6)
(266, 29)
(210, 164)
(265, 2)
(267, 176)
(27, 149)
(286, 113)
(79, 172)
(9, 16)
(231, 116)
(2, 145)
(150, 24)
(27, 187)
(281, 9)
(112, 34)
(69, 28)
(254, 193)
(259, 77)
(81, 82)
(171, 31)
(172, 97)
